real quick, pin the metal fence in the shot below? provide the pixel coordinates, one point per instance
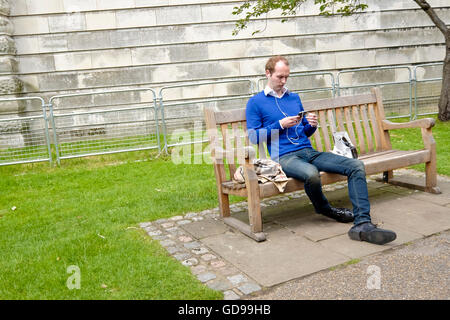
(427, 85)
(182, 107)
(104, 122)
(396, 87)
(24, 138)
(111, 121)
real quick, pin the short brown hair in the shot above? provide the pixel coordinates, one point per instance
(270, 65)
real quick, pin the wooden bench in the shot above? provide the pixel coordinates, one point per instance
(362, 116)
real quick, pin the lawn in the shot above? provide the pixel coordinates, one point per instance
(87, 213)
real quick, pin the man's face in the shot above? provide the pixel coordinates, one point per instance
(278, 78)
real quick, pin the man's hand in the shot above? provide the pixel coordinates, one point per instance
(289, 121)
(312, 119)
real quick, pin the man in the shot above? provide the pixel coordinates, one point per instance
(273, 115)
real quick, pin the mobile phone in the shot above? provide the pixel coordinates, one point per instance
(301, 114)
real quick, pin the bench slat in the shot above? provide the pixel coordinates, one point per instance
(348, 120)
(235, 115)
(331, 120)
(362, 145)
(340, 119)
(228, 146)
(318, 140)
(375, 128)
(367, 130)
(330, 103)
(324, 128)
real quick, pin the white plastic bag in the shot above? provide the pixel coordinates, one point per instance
(343, 145)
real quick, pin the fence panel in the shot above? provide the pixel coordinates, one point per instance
(427, 88)
(311, 85)
(104, 122)
(395, 83)
(182, 107)
(24, 135)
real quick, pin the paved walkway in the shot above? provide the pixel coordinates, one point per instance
(309, 256)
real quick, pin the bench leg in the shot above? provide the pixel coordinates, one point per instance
(388, 175)
(224, 205)
(254, 208)
(431, 178)
(406, 182)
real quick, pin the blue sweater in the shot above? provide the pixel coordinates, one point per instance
(263, 115)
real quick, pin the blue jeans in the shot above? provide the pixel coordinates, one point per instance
(305, 165)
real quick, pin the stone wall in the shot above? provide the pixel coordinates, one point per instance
(71, 45)
(10, 83)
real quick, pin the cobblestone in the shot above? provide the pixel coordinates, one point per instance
(204, 277)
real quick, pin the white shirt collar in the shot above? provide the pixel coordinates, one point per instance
(268, 91)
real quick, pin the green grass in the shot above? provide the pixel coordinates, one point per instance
(86, 213)
(81, 215)
(411, 139)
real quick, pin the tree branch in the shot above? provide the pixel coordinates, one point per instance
(433, 16)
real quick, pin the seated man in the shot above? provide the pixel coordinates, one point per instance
(273, 115)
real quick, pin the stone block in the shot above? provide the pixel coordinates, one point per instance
(18, 7)
(30, 83)
(178, 15)
(73, 61)
(226, 50)
(218, 12)
(8, 65)
(27, 45)
(151, 55)
(77, 5)
(53, 42)
(7, 45)
(186, 52)
(9, 85)
(89, 40)
(248, 288)
(111, 58)
(57, 82)
(31, 64)
(29, 25)
(259, 47)
(355, 59)
(100, 20)
(136, 18)
(395, 56)
(50, 6)
(67, 22)
(124, 38)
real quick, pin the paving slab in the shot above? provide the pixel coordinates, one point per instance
(415, 215)
(282, 257)
(205, 228)
(359, 249)
(316, 227)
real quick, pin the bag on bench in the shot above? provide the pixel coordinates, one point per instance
(343, 145)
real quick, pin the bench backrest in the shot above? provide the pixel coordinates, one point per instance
(359, 115)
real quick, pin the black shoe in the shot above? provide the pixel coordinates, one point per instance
(339, 214)
(370, 233)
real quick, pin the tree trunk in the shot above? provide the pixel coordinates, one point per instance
(444, 101)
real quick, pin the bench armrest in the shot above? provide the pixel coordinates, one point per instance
(426, 123)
